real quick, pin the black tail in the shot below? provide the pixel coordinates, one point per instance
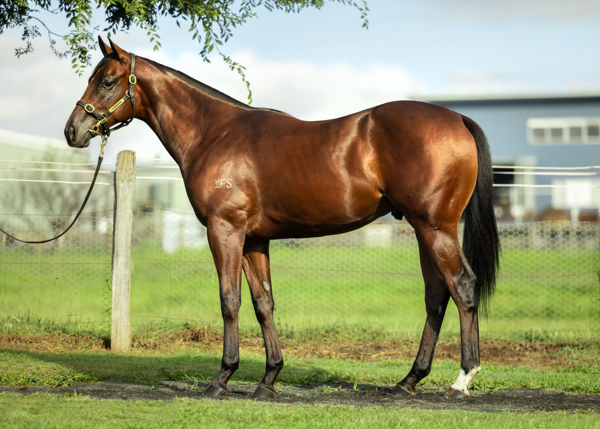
(481, 244)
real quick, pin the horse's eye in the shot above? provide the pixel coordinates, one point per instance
(107, 83)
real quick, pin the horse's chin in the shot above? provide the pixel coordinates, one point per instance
(80, 144)
(86, 142)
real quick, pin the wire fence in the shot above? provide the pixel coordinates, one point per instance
(549, 278)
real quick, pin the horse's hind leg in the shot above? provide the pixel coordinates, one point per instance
(256, 266)
(442, 246)
(436, 301)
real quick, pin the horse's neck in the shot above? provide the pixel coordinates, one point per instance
(182, 113)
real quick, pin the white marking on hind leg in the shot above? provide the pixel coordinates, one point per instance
(266, 285)
(463, 380)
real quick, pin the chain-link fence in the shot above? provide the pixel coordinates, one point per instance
(549, 277)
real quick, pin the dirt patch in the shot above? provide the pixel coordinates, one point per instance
(52, 343)
(541, 355)
(512, 353)
(502, 352)
(513, 400)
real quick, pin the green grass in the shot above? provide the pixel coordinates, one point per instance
(540, 292)
(49, 368)
(26, 368)
(46, 411)
(357, 293)
(21, 367)
(62, 369)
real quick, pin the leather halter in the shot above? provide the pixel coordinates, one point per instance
(101, 128)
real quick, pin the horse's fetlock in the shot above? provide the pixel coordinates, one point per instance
(230, 365)
(275, 365)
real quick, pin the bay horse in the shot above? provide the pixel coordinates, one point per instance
(253, 175)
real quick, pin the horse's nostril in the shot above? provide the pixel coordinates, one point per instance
(70, 133)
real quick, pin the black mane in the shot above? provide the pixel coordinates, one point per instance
(198, 85)
(208, 90)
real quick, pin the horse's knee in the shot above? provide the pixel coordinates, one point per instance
(262, 300)
(263, 308)
(230, 306)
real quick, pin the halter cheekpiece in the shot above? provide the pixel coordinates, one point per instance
(101, 128)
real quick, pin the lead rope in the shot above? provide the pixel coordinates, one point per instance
(85, 200)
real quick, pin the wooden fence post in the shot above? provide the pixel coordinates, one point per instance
(121, 259)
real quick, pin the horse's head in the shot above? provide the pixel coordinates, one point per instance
(103, 104)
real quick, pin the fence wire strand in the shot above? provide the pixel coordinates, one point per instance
(369, 277)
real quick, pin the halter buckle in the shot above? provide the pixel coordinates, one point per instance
(89, 108)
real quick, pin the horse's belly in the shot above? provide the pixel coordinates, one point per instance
(317, 215)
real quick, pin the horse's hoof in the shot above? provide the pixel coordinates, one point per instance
(215, 391)
(263, 392)
(405, 390)
(455, 394)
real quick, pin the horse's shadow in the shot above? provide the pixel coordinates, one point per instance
(65, 369)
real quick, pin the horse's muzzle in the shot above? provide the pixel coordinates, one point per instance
(74, 140)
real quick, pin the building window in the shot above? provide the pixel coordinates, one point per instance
(547, 131)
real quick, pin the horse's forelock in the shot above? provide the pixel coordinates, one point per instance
(103, 61)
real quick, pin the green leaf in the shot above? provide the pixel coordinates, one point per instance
(211, 22)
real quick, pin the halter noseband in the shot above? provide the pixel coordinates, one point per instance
(101, 128)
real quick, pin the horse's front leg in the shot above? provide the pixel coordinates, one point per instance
(257, 268)
(226, 243)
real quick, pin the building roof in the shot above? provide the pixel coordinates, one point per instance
(517, 100)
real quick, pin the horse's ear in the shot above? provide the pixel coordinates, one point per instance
(103, 46)
(121, 53)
